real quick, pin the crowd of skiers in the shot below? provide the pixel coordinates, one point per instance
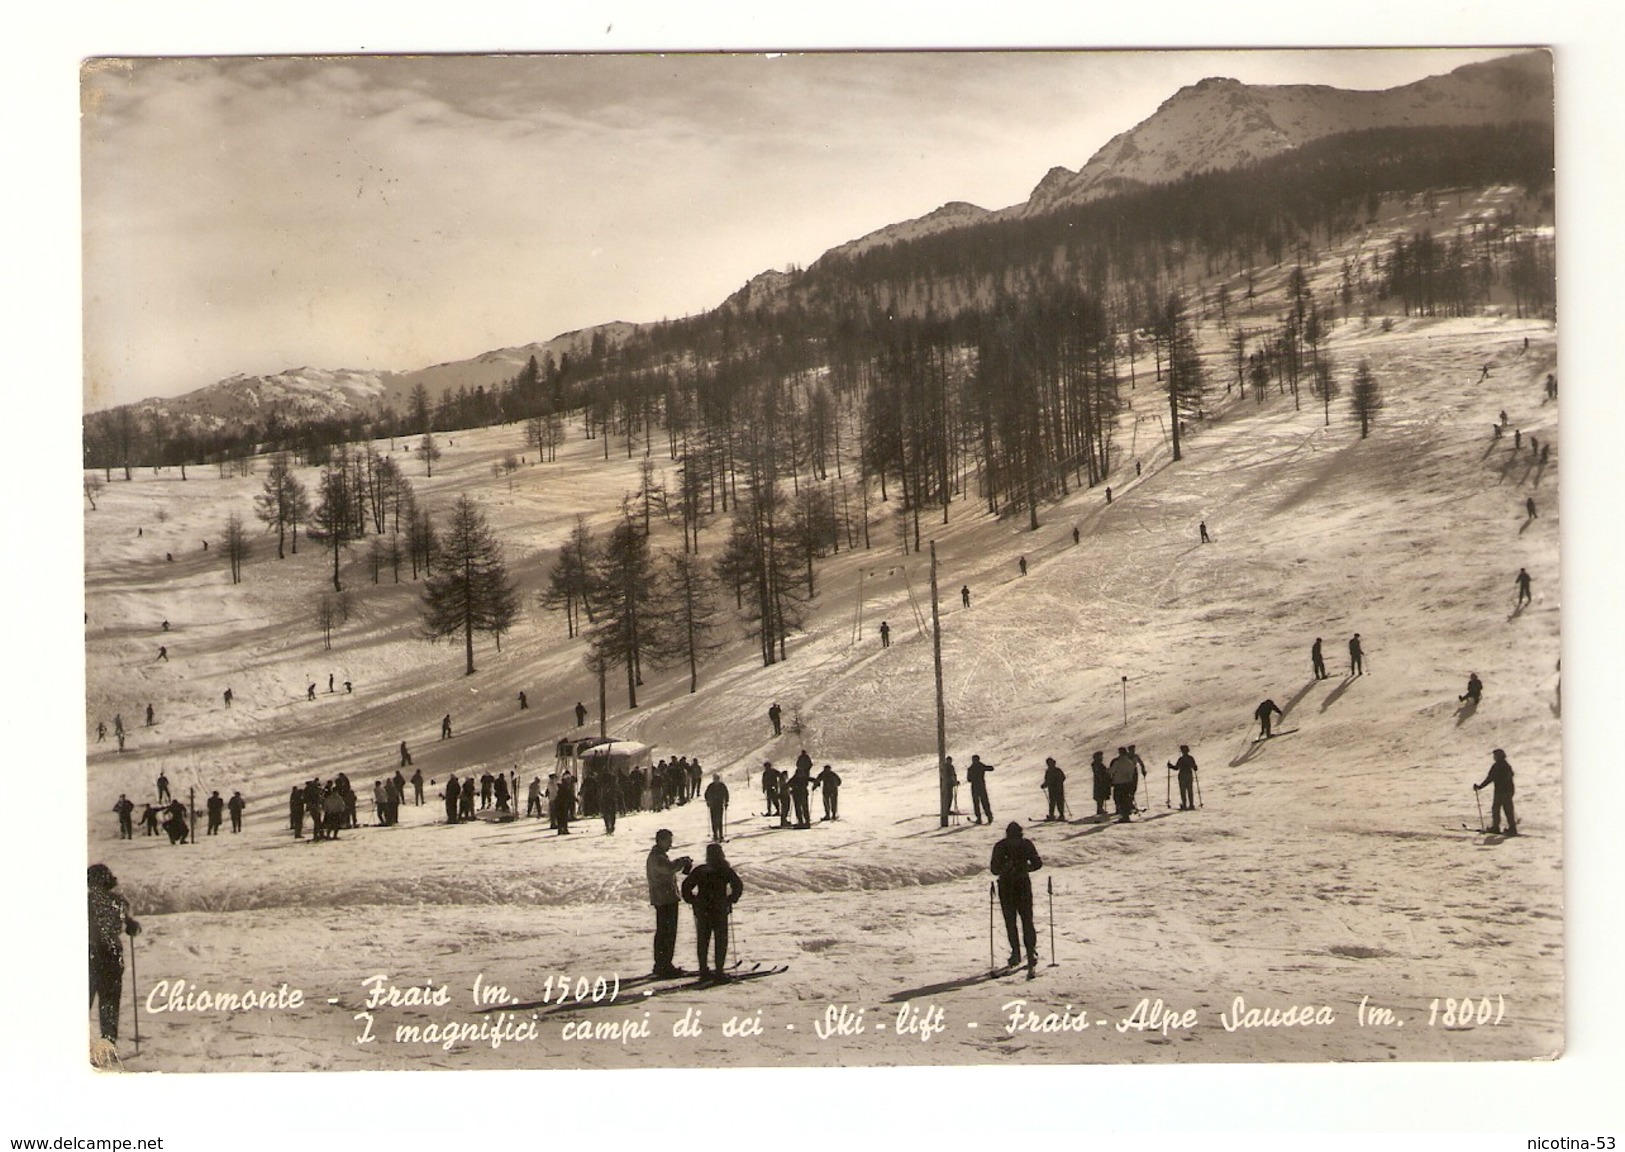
(788, 794)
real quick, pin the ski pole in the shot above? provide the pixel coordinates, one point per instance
(1050, 884)
(1479, 800)
(738, 937)
(990, 964)
(135, 994)
(1168, 789)
(1197, 780)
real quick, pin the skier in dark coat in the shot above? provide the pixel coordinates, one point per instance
(1356, 656)
(976, 773)
(163, 788)
(216, 808)
(774, 715)
(800, 789)
(609, 798)
(175, 823)
(661, 872)
(1055, 786)
(1262, 714)
(1475, 689)
(1124, 778)
(581, 713)
(885, 634)
(1102, 780)
(406, 762)
(716, 799)
(1014, 860)
(125, 808)
(149, 819)
(1186, 767)
(453, 797)
(1500, 775)
(465, 805)
(564, 803)
(417, 786)
(712, 890)
(235, 807)
(110, 922)
(1524, 596)
(770, 788)
(1317, 660)
(829, 786)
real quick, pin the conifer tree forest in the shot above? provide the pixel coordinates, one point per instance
(859, 402)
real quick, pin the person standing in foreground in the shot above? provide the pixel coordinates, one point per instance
(1262, 714)
(712, 890)
(1500, 775)
(661, 872)
(1186, 767)
(1014, 860)
(109, 923)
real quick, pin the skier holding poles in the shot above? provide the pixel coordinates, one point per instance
(1186, 767)
(1013, 862)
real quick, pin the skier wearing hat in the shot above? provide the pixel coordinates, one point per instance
(1055, 785)
(1014, 860)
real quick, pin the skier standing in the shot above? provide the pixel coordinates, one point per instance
(1500, 775)
(1013, 862)
(976, 773)
(1475, 688)
(110, 922)
(1123, 775)
(1356, 656)
(829, 785)
(716, 800)
(661, 872)
(1186, 767)
(1317, 660)
(1524, 596)
(712, 890)
(1055, 786)
(1102, 782)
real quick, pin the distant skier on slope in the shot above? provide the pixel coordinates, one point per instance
(1317, 661)
(1013, 862)
(1356, 656)
(1262, 714)
(1500, 775)
(581, 713)
(775, 716)
(1475, 689)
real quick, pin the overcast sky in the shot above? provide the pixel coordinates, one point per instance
(251, 215)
